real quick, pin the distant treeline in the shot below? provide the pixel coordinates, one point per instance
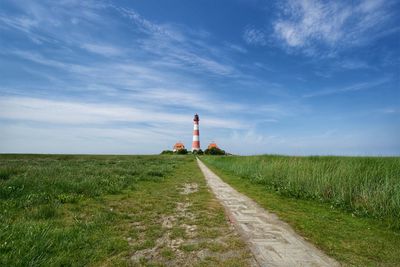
(209, 151)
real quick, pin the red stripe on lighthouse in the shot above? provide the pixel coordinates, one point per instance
(196, 144)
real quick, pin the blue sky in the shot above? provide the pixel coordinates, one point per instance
(293, 77)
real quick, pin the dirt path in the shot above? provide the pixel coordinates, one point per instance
(273, 242)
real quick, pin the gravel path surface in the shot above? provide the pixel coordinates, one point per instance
(273, 242)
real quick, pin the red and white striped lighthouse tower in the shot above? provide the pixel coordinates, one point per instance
(196, 134)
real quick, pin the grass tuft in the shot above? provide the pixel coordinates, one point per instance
(46, 212)
(6, 172)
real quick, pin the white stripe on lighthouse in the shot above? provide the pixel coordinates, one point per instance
(196, 127)
(195, 138)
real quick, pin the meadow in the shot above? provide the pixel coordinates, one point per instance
(365, 186)
(84, 210)
(71, 210)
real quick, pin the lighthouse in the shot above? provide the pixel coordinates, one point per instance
(196, 134)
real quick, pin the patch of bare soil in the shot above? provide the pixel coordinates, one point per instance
(189, 188)
(168, 244)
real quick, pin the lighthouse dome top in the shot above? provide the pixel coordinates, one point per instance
(196, 117)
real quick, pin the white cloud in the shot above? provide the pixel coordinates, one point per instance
(24, 24)
(21, 138)
(389, 110)
(41, 26)
(353, 87)
(191, 60)
(254, 36)
(354, 64)
(56, 126)
(170, 44)
(305, 24)
(150, 27)
(21, 23)
(101, 49)
(149, 85)
(118, 128)
(179, 47)
(326, 142)
(81, 113)
(236, 48)
(37, 58)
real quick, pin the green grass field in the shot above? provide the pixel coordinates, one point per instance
(366, 186)
(61, 210)
(347, 206)
(111, 211)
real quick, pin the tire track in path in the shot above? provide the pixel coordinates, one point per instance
(272, 242)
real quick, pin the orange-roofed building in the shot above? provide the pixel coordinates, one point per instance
(213, 144)
(178, 146)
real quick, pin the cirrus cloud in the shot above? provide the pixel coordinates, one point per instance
(309, 24)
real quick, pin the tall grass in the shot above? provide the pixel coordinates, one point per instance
(366, 186)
